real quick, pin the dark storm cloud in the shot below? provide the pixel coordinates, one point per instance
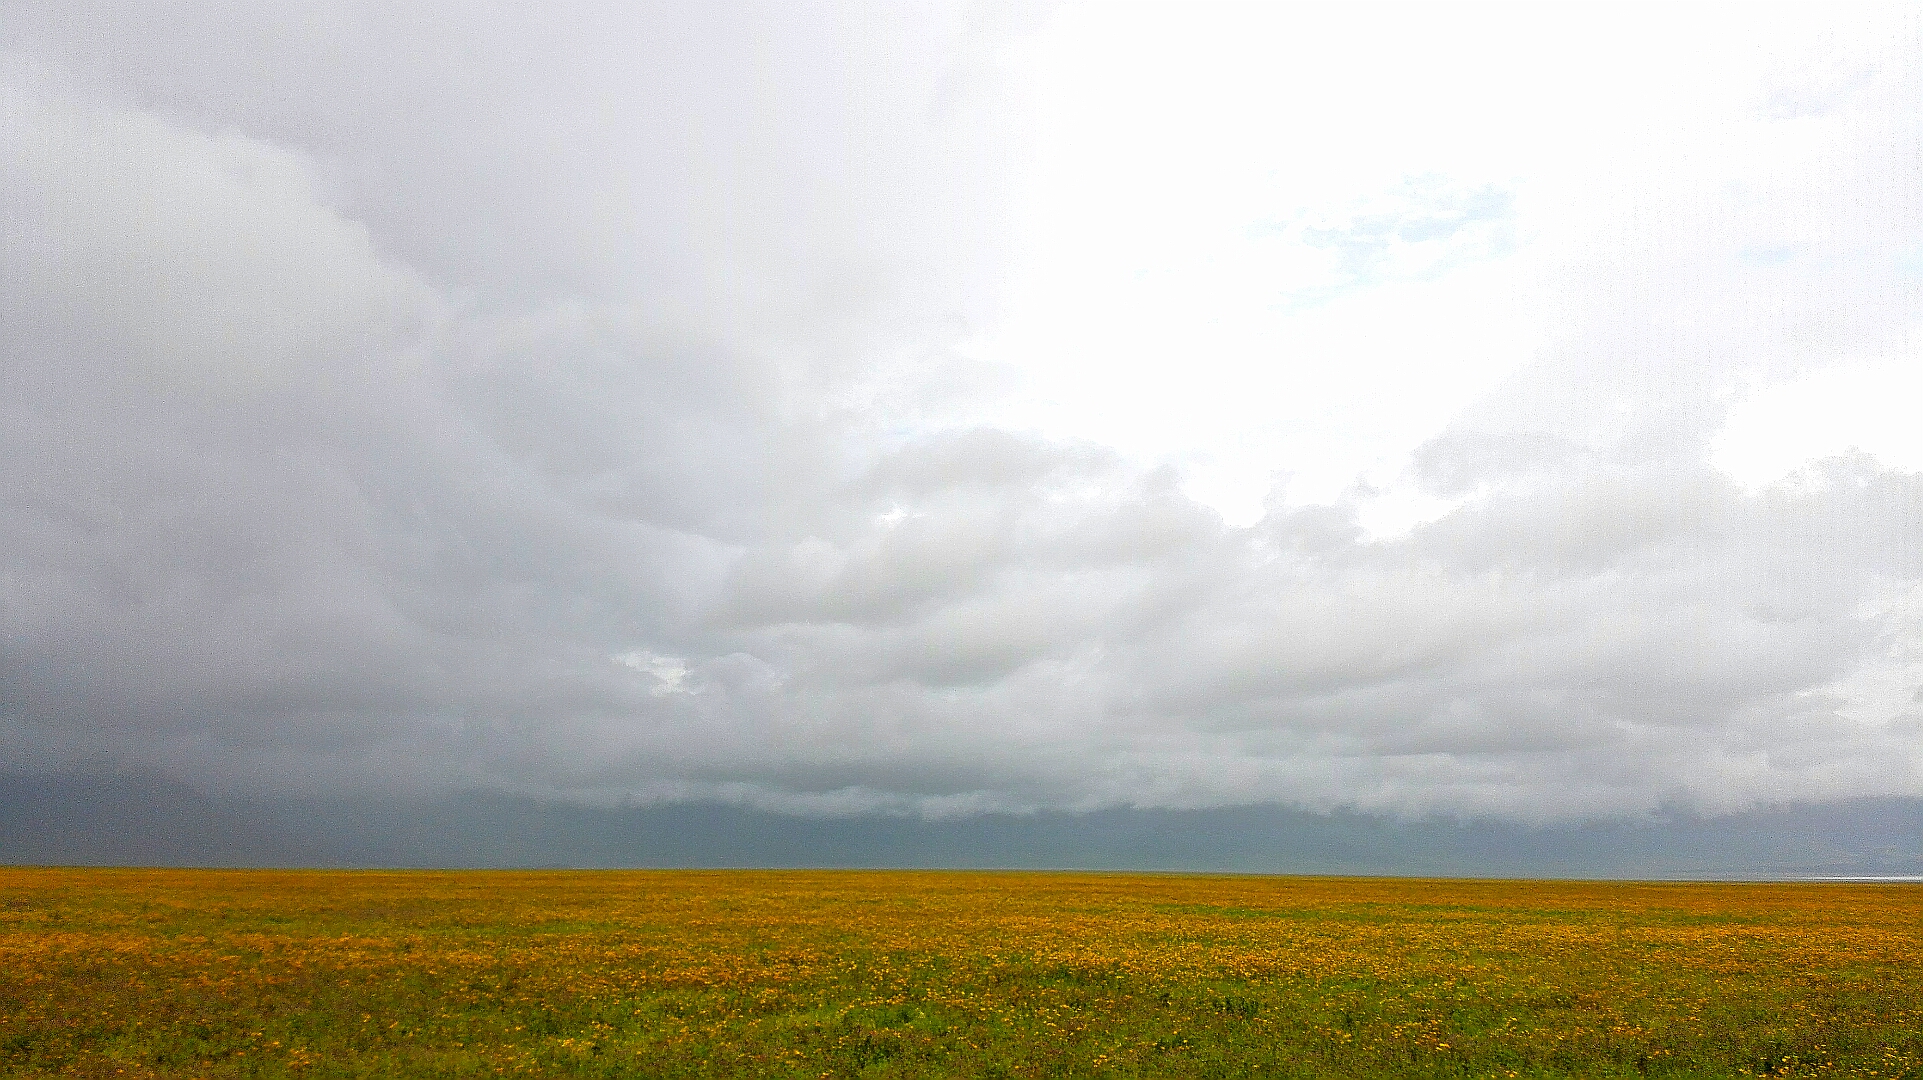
(402, 399)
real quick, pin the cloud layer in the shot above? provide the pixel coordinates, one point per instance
(402, 401)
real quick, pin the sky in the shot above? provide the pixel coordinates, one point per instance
(937, 408)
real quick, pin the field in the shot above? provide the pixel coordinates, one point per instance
(810, 974)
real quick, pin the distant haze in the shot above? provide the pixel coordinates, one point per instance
(138, 819)
(905, 413)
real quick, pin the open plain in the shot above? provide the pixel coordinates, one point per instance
(812, 974)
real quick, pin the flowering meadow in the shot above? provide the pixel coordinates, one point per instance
(132, 973)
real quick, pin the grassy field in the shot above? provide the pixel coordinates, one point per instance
(243, 973)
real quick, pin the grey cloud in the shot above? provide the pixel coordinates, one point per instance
(1454, 464)
(986, 458)
(758, 153)
(376, 383)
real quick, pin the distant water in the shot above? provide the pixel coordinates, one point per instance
(1867, 877)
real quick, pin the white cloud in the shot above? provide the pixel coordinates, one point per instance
(1272, 242)
(1865, 408)
(666, 674)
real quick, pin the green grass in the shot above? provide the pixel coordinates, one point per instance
(802, 974)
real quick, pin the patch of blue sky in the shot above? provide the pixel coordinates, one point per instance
(1768, 256)
(1429, 229)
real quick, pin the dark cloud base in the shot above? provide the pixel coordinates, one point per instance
(136, 819)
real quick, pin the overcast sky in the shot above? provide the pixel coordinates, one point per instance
(938, 408)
